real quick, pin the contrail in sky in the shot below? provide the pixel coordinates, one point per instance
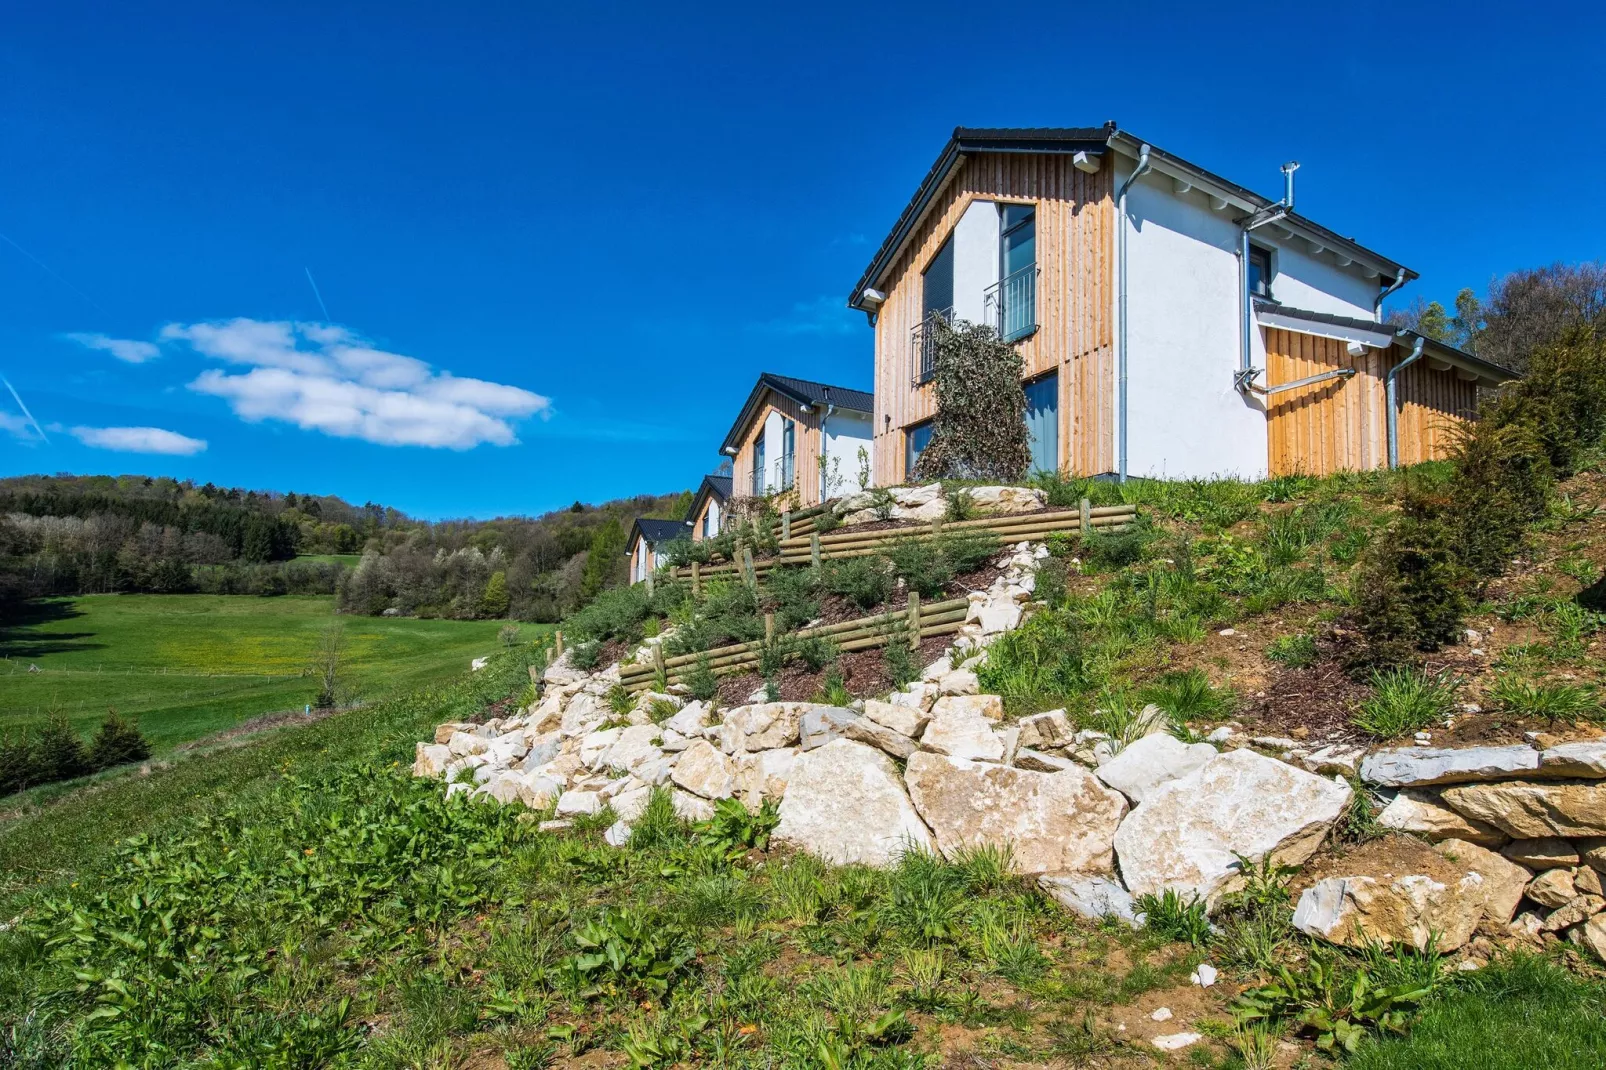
(318, 295)
(23, 407)
(51, 272)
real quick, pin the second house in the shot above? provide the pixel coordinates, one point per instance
(805, 440)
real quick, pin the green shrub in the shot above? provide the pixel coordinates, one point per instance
(616, 613)
(774, 654)
(864, 581)
(966, 551)
(1404, 701)
(816, 651)
(734, 830)
(794, 594)
(921, 564)
(960, 505)
(701, 682)
(585, 654)
(1412, 590)
(1294, 651)
(897, 658)
(118, 742)
(627, 951)
(1175, 918)
(1550, 701)
(18, 769)
(58, 752)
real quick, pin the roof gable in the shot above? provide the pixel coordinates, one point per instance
(716, 487)
(656, 532)
(804, 392)
(967, 141)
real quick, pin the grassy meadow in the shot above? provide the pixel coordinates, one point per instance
(189, 665)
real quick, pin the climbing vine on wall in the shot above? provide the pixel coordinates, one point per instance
(980, 428)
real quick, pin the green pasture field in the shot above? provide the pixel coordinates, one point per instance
(189, 665)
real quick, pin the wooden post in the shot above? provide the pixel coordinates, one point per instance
(914, 620)
(658, 660)
(650, 571)
(786, 525)
(769, 628)
(747, 568)
(814, 549)
(557, 643)
(1087, 518)
(696, 581)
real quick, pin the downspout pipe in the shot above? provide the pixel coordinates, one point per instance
(1391, 392)
(1245, 378)
(1121, 351)
(1377, 303)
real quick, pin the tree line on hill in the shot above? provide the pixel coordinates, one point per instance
(74, 535)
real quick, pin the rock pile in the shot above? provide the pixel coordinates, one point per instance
(1510, 825)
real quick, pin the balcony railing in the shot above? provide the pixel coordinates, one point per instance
(785, 473)
(923, 346)
(1010, 304)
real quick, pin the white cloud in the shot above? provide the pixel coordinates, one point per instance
(139, 440)
(325, 378)
(18, 427)
(128, 349)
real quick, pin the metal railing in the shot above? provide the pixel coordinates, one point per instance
(923, 346)
(1010, 304)
(785, 472)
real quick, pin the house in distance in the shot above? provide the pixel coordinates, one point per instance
(799, 438)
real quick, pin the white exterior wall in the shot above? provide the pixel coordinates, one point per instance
(772, 451)
(1316, 283)
(713, 519)
(1185, 419)
(842, 434)
(975, 259)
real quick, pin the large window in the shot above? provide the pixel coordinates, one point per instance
(788, 454)
(1011, 303)
(916, 439)
(1259, 271)
(758, 464)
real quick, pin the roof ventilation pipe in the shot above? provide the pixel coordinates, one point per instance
(1121, 357)
(1288, 183)
(1392, 394)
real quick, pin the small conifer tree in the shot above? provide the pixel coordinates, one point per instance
(118, 742)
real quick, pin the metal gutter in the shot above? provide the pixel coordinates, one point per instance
(1391, 392)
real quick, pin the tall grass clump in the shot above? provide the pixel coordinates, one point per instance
(1404, 701)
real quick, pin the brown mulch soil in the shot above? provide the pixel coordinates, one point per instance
(1321, 698)
(864, 672)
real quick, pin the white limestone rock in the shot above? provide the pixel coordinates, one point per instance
(821, 724)
(466, 742)
(1188, 832)
(864, 730)
(1433, 897)
(1421, 766)
(690, 720)
(1565, 808)
(1041, 761)
(575, 803)
(704, 771)
(762, 726)
(635, 745)
(1091, 897)
(594, 747)
(1007, 500)
(689, 807)
(430, 759)
(1154, 760)
(907, 721)
(1422, 814)
(1047, 731)
(538, 791)
(959, 682)
(961, 728)
(764, 775)
(1586, 759)
(846, 804)
(1061, 822)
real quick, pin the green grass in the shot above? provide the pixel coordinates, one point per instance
(189, 665)
(55, 843)
(1405, 701)
(1521, 1013)
(349, 560)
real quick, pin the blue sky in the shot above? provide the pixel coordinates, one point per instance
(556, 245)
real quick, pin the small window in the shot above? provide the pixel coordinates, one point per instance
(1018, 238)
(1259, 271)
(917, 439)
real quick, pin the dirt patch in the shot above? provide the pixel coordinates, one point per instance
(1394, 855)
(259, 724)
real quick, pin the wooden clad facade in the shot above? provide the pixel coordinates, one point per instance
(1075, 307)
(1341, 424)
(807, 447)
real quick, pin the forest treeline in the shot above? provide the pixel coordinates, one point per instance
(73, 535)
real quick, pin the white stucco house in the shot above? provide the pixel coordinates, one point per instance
(1171, 323)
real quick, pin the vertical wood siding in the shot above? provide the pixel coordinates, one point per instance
(807, 442)
(1341, 425)
(1075, 228)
